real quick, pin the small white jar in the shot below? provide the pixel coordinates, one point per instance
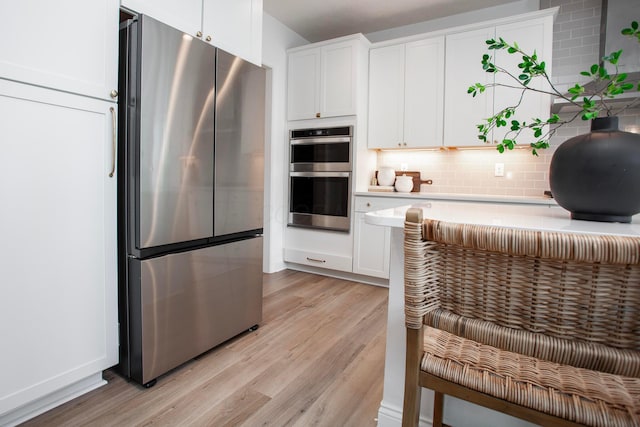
(386, 176)
(404, 184)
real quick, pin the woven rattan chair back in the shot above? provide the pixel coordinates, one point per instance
(568, 300)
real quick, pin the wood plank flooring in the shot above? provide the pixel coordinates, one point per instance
(316, 360)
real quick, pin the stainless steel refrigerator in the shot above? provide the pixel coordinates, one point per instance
(190, 195)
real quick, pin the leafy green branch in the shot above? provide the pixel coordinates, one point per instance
(591, 103)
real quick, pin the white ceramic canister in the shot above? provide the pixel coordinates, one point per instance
(404, 184)
(386, 176)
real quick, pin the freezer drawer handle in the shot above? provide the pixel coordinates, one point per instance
(315, 260)
(113, 142)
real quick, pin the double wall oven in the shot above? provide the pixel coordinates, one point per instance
(320, 178)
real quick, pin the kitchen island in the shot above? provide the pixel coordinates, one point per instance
(543, 218)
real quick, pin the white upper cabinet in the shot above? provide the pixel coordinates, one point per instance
(323, 80)
(386, 97)
(185, 15)
(534, 35)
(338, 79)
(463, 68)
(406, 94)
(234, 26)
(303, 92)
(69, 45)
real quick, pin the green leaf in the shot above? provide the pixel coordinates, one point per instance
(500, 148)
(594, 68)
(585, 73)
(590, 115)
(621, 77)
(602, 72)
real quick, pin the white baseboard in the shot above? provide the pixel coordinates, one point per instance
(339, 274)
(391, 416)
(50, 401)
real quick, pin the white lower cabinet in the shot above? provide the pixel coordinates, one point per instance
(371, 243)
(317, 248)
(371, 248)
(58, 304)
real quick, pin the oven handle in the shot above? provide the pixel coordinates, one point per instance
(320, 174)
(324, 140)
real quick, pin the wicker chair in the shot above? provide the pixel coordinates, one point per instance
(539, 325)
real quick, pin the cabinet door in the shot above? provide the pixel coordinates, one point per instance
(185, 15)
(424, 93)
(371, 248)
(533, 35)
(303, 87)
(235, 26)
(462, 69)
(70, 45)
(338, 80)
(58, 310)
(386, 97)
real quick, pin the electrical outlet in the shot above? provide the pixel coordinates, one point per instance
(498, 169)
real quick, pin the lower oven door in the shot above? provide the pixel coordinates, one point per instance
(320, 200)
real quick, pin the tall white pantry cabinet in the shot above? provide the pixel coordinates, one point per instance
(58, 301)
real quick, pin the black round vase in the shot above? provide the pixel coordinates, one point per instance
(596, 176)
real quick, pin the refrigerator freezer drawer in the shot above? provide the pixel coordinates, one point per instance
(190, 302)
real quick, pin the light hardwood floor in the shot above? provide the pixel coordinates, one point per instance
(316, 360)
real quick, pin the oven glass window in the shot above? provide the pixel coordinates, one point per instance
(320, 195)
(320, 153)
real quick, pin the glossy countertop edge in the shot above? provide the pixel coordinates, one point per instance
(491, 198)
(523, 216)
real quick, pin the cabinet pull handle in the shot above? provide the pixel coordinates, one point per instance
(113, 142)
(318, 115)
(316, 260)
(199, 34)
(368, 204)
(114, 94)
(208, 38)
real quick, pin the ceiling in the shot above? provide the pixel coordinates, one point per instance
(318, 20)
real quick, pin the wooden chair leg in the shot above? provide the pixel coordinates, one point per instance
(412, 389)
(438, 409)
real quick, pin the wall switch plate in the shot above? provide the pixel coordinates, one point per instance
(498, 169)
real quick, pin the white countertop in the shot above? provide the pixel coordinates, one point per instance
(544, 218)
(490, 198)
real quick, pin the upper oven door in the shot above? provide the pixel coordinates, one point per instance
(323, 154)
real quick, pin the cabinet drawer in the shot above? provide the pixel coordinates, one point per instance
(316, 259)
(368, 204)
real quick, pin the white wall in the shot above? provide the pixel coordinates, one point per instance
(509, 9)
(276, 39)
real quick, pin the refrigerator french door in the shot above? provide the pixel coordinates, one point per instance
(188, 278)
